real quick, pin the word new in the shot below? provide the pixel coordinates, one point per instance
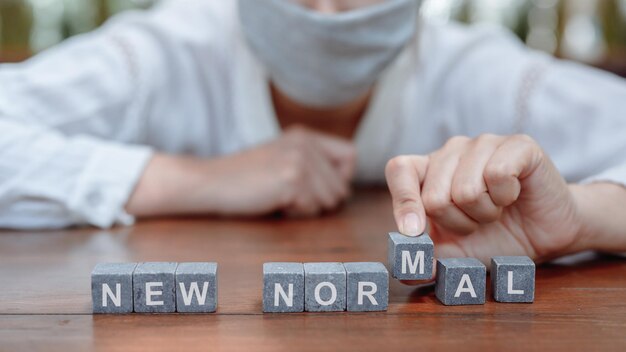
(154, 287)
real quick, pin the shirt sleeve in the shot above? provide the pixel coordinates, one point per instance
(79, 121)
(71, 120)
(487, 81)
(51, 181)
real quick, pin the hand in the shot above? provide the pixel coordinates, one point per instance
(301, 173)
(484, 197)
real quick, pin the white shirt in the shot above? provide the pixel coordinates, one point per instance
(79, 122)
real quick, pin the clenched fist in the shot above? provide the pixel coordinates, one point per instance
(487, 196)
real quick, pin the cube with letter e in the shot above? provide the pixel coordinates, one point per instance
(154, 287)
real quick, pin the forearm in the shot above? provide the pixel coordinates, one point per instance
(172, 185)
(602, 208)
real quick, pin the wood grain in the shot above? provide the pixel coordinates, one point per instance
(45, 299)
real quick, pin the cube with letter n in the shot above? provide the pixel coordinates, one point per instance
(112, 288)
(283, 287)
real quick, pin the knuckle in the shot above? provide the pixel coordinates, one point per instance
(395, 164)
(435, 204)
(497, 171)
(466, 193)
(457, 141)
(524, 138)
(407, 198)
(486, 138)
(293, 175)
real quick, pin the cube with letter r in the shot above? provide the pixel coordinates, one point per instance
(283, 287)
(367, 287)
(410, 258)
(112, 288)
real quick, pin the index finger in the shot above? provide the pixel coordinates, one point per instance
(404, 175)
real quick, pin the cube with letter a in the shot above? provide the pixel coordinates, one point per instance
(112, 288)
(283, 287)
(410, 258)
(460, 281)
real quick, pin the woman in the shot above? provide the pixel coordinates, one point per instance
(249, 107)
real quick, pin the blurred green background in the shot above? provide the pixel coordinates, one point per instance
(590, 31)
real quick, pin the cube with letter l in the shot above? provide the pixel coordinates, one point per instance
(513, 279)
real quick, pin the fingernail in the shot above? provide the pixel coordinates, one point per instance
(410, 224)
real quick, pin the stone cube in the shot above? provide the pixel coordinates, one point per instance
(513, 279)
(410, 258)
(283, 287)
(325, 287)
(196, 287)
(154, 287)
(460, 281)
(112, 287)
(367, 287)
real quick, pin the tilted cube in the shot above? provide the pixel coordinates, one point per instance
(410, 258)
(513, 279)
(367, 287)
(112, 288)
(283, 287)
(460, 281)
(154, 287)
(196, 287)
(325, 287)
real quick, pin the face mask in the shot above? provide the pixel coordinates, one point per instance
(322, 60)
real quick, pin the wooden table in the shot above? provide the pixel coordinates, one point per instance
(45, 301)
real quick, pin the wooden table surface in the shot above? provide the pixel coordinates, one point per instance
(45, 301)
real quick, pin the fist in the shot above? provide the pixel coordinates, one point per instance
(492, 195)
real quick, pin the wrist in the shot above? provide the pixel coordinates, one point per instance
(583, 200)
(601, 217)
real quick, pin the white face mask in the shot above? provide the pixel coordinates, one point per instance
(322, 60)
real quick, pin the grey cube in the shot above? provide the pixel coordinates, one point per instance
(112, 288)
(325, 287)
(513, 279)
(154, 287)
(410, 258)
(460, 281)
(367, 287)
(283, 287)
(196, 287)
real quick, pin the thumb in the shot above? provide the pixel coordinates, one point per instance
(404, 175)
